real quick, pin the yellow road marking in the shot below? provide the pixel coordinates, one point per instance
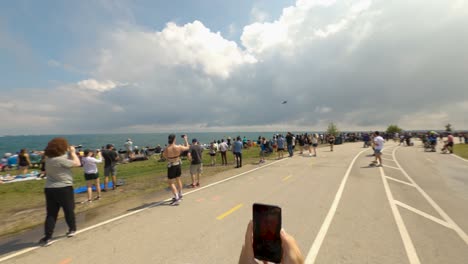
(287, 177)
(232, 210)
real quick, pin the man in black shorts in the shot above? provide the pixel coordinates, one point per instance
(110, 160)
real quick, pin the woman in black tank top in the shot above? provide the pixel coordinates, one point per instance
(23, 161)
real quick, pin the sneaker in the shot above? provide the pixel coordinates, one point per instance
(198, 184)
(97, 198)
(71, 233)
(44, 242)
(175, 201)
(86, 202)
(181, 196)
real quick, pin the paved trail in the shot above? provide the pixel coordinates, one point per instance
(340, 210)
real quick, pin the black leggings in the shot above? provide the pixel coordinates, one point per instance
(56, 198)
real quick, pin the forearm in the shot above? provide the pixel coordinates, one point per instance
(75, 159)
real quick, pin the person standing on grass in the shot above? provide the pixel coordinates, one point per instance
(59, 187)
(23, 161)
(213, 153)
(110, 162)
(280, 145)
(174, 166)
(237, 150)
(223, 148)
(378, 146)
(129, 148)
(196, 162)
(91, 173)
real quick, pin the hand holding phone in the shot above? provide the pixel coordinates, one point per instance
(266, 232)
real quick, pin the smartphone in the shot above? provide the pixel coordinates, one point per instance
(266, 232)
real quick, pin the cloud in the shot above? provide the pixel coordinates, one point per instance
(258, 15)
(192, 45)
(362, 65)
(54, 63)
(95, 85)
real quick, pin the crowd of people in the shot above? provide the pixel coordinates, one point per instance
(59, 157)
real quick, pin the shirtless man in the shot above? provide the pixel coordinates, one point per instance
(174, 169)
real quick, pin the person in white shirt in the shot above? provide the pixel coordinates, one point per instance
(223, 148)
(91, 173)
(129, 148)
(378, 146)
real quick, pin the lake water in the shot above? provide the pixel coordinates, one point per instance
(13, 144)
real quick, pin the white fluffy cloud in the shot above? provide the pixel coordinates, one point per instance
(362, 65)
(191, 45)
(94, 85)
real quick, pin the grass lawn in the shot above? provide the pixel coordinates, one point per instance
(461, 150)
(22, 204)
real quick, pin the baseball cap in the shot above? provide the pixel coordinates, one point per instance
(194, 140)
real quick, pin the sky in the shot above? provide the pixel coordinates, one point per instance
(123, 66)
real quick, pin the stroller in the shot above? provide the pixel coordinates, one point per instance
(430, 146)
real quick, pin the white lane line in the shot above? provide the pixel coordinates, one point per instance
(386, 154)
(26, 250)
(391, 167)
(400, 181)
(458, 157)
(387, 159)
(439, 210)
(409, 247)
(314, 249)
(423, 214)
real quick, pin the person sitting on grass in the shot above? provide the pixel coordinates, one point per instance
(91, 173)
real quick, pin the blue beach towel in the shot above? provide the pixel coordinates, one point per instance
(84, 189)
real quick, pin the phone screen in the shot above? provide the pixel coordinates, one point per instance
(266, 229)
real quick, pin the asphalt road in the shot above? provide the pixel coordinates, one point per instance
(414, 209)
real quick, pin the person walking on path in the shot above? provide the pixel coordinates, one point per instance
(196, 164)
(314, 141)
(378, 146)
(110, 162)
(223, 148)
(91, 173)
(237, 150)
(289, 143)
(331, 141)
(59, 187)
(174, 166)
